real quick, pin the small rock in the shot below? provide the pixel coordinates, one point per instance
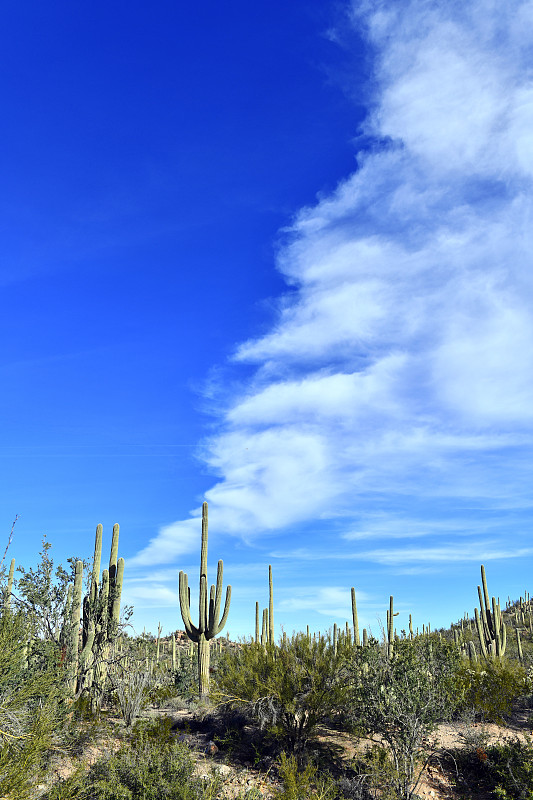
(211, 749)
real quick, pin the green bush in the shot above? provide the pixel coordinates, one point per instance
(491, 687)
(31, 708)
(402, 698)
(302, 784)
(504, 770)
(151, 767)
(289, 687)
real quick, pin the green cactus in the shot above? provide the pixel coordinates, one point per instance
(390, 627)
(209, 610)
(264, 627)
(356, 639)
(270, 607)
(490, 626)
(101, 614)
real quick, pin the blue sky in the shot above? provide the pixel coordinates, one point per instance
(277, 256)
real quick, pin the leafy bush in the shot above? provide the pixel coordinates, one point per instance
(185, 678)
(31, 709)
(290, 687)
(505, 769)
(375, 776)
(151, 767)
(301, 784)
(402, 698)
(491, 687)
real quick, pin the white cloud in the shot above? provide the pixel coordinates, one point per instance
(171, 542)
(401, 363)
(331, 601)
(487, 551)
(152, 596)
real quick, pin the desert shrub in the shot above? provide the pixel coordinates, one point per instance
(289, 687)
(374, 776)
(303, 783)
(491, 687)
(150, 767)
(505, 769)
(402, 698)
(31, 708)
(185, 678)
(131, 693)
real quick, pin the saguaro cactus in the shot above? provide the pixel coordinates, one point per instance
(101, 612)
(270, 607)
(490, 626)
(208, 626)
(355, 620)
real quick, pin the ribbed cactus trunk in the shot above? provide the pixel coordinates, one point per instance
(355, 620)
(203, 665)
(270, 607)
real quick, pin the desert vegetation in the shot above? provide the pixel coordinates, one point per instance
(90, 711)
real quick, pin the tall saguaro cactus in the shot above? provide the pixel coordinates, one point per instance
(355, 620)
(270, 607)
(490, 626)
(101, 612)
(209, 610)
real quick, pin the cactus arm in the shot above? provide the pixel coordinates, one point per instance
(223, 621)
(212, 609)
(485, 589)
(114, 553)
(185, 607)
(218, 594)
(117, 592)
(96, 563)
(481, 634)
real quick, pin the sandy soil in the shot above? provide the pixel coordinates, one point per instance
(240, 776)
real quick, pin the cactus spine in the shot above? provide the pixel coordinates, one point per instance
(209, 610)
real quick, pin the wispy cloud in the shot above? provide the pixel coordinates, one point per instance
(330, 601)
(171, 541)
(153, 596)
(400, 365)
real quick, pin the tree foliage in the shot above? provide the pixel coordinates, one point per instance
(291, 686)
(401, 699)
